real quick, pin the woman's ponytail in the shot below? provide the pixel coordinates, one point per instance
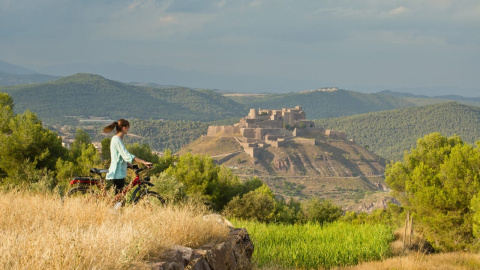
(117, 125)
(110, 127)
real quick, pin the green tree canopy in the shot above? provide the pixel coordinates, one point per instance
(200, 176)
(81, 158)
(6, 111)
(436, 182)
(27, 140)
(257, 205)
(321, 211)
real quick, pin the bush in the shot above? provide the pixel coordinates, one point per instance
(321, 211)
(169, 188)
(205, 180)
(256, 205)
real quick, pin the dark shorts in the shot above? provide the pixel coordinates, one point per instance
(117, 183)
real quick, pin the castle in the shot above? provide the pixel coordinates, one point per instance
(274, 128)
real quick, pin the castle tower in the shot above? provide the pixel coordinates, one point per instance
(252, 114)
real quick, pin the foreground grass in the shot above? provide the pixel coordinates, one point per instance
(314, 246)
(419, 261)
(41, 232)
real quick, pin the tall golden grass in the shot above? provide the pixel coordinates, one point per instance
(42, 232)
(420, 261)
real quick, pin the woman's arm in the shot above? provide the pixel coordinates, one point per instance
(146, 163)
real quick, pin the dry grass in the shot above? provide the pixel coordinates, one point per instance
(415, 261)
(39, 232)
(414, 257)
(420, 261)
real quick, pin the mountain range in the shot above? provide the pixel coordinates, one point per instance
(168, 75)
(88, 95)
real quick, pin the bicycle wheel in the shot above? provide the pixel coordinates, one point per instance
(150, 198)
(79, 191)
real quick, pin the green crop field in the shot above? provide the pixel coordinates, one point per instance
(315, 246)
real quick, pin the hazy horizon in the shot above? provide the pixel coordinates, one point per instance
(429, 47)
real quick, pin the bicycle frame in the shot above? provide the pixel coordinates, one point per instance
(138, 182)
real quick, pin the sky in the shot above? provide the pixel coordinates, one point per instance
(419, 46)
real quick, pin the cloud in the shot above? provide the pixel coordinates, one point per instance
(240, 36)
(469, 14)
(396, 38)
(167, 19)
(398, 11)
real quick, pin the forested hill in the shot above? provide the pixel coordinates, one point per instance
(318, 104)
(93, 95)
(390, 133)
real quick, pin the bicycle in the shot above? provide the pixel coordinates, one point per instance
(96, 187)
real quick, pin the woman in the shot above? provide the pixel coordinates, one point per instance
(121, 158)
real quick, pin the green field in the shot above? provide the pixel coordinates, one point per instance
(316, 246)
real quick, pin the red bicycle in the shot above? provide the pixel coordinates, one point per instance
(96, 187)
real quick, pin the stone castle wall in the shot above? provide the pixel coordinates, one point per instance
(335, 133)
(224, 130)
(266, 127)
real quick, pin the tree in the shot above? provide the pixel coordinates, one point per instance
(257, 205)
(6, 111)
(436, 182)
(106, 148)
(82, 140)
(27, 140)
(321, 211)
(202, 178)
(82, 157)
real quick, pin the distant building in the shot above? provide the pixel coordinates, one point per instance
(271, 127)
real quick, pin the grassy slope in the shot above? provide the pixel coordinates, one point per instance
(390, 133)
(40, 232)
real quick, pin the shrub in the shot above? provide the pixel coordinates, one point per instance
(321, 211)
(256, 205)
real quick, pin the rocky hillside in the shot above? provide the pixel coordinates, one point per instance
(332, 168)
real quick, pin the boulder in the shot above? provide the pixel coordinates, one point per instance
(235, 253)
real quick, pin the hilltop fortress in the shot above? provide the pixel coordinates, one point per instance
(261, 128)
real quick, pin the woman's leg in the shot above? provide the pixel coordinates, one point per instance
(118, 184)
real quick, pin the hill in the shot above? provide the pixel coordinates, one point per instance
(421, 100)
(323, 104)
(87, 95)
(14, 69)
(14, 79)
(390, 133)
(331, 168)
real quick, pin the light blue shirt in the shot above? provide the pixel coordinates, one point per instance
(120, 157)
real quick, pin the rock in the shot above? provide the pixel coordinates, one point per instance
(234, 253)
(222, 257)
(198, 264)
(220, 219)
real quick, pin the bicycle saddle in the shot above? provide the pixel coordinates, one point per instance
(98, 171)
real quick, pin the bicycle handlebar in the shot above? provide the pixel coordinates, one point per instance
(137, 168)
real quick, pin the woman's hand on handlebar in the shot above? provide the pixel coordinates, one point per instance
(148, 164)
